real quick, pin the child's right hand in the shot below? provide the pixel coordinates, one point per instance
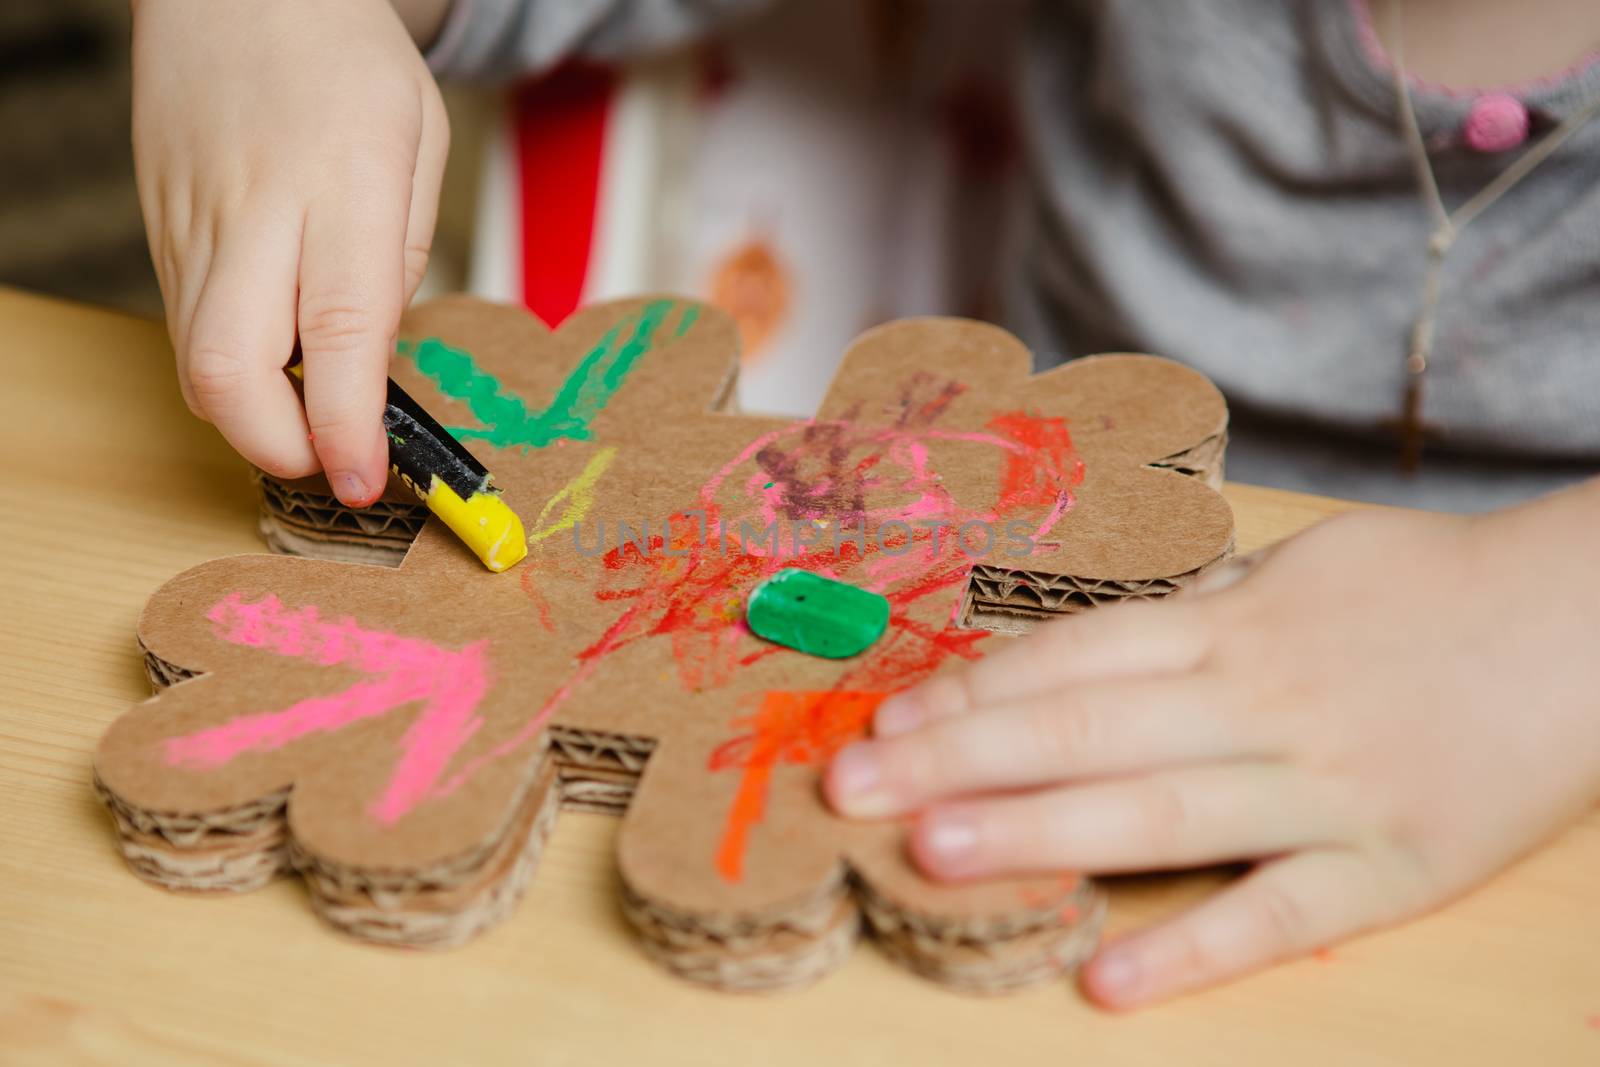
(289, 156)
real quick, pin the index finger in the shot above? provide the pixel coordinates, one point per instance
(1120, 641)
(352, 290)
(1112, 728)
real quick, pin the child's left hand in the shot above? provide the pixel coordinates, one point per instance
(1384, 712)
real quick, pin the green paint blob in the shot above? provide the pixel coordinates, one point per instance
(816, 615)
(507, 419)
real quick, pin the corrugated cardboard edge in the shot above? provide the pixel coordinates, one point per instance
(241, 848)
(753, 954)
(298, 521)
(989, 960)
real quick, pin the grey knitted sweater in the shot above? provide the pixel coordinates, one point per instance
(1225, 182)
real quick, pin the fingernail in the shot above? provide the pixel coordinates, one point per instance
(857, 780)
(1116, 975)
(349, 487)
(897, 715)
(950, 837)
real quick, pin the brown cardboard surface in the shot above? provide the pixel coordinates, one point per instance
(406, 713)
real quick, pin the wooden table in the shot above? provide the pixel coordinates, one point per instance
(108, 488)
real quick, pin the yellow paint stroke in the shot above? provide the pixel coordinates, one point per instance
(578, 494)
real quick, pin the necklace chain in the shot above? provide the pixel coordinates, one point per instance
(1447, 226)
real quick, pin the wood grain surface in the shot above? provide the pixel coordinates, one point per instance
(108, 487)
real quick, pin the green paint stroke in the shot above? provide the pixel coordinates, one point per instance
(508, 421)
(686, 320)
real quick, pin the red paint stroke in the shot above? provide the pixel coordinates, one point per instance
(687, 585)
(1068, 912)
(1046, 463)
(926, 398)
(588, 660)
(694, 597)
(400, 670)
(1066, 882)
(540, 604)
(793, 728)
(829, 469)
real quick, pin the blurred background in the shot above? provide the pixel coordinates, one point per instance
(814, 170)
(69, 213)
(69, 217)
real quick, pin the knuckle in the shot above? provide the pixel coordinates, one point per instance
(337, 323)
(1248, 627)
(901, 761)
(1283, 918)
(385, 163)
(168, 263)
(943, 759)
(1063, 735)
(216, 376)
(932, 761)
(332, 426)
(1407, 878)
(1164, 816)
(1197, 956)
(952, 694)
(416, 264)
(387, 153)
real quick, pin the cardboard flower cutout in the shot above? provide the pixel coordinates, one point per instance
(404, 736)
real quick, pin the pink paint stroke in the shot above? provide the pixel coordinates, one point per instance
(449, 685)
(933, 502)
(588, 660)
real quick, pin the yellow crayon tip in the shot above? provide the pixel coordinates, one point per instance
(483, 521)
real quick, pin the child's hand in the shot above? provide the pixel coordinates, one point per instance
(289, 155)
(1385, 711)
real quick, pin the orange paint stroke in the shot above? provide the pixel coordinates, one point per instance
(753, 286)
(794, 728)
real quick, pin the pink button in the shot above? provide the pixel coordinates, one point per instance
(1497, 122)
